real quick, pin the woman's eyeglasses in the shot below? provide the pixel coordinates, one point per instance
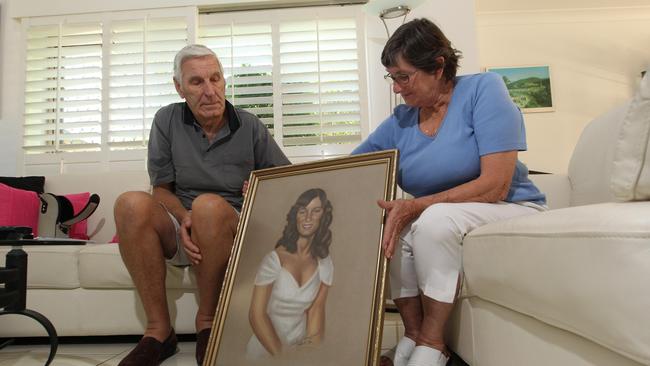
(401, 78)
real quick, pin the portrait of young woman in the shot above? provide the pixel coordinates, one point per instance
(288, 303)
(307, 267)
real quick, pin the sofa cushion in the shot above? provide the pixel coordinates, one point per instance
(79, 201)
(631, 169)
(30, 183)
(101, 266)
(19, 207)
(50, 266)
(583, 269)
(591, 162)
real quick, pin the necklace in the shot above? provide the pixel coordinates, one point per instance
(429, 132)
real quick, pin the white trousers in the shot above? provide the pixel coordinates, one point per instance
(429, 258)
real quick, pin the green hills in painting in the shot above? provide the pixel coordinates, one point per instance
(532, 92)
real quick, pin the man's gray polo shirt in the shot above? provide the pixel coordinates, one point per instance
(180, 153)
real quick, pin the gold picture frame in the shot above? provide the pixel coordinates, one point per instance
(346, 327)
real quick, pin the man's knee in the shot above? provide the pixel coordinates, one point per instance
(130, 206)
(213, 207)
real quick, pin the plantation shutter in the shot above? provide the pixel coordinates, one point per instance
(141, 71)
(320, 82)
(246, 54)
(63, 88)
(312, 65)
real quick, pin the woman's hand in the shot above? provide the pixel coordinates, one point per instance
(399, 214)
(191, 249)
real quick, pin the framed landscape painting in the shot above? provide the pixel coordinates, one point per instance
(306, 278)
(529, 86)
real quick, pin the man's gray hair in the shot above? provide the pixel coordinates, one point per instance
(192, 51)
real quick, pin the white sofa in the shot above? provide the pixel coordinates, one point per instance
(570, 286)
(85, 289)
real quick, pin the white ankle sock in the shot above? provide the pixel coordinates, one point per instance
(427, 356)
(403, 351)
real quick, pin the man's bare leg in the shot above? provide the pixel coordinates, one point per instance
(214, 224)
(147, 235)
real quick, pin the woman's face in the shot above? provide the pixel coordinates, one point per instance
(308, 217)
(417, 87)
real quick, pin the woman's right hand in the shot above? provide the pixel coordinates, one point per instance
(399, 214)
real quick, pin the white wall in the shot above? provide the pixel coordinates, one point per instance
(12, 81)
(456, 18)
(595, 54)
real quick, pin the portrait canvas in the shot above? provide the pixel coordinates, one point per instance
(529, 86)
(306, 278)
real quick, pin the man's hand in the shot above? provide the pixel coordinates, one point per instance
(244, 188)
(192, 250)
(399, 214)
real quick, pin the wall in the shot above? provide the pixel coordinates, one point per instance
(11, 79)
(595, 54)
(456, 18)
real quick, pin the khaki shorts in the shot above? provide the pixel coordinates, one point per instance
(180, 258)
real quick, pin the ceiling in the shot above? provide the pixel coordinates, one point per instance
(524, 5)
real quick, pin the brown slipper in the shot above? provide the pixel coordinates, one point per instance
(151, 352)
(202, 339)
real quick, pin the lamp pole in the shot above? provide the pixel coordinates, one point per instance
(392, 13)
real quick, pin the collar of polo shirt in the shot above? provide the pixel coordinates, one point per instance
(233, 117)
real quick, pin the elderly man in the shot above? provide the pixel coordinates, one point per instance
(200, 153)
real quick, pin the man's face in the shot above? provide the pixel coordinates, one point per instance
(203, 87)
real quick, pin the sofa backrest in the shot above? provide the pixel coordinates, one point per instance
(108, 185)
(591, 163)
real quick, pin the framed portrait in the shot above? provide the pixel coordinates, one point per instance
(529, 86)
(306, 278)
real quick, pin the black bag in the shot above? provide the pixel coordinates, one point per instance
(57, 215)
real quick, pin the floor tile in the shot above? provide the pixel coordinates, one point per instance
(184, 357)
(110, 354)
(66, 355)
(38, 358)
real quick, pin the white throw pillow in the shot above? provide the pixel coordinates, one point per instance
(631, 167)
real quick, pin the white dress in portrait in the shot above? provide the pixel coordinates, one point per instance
(288, 302)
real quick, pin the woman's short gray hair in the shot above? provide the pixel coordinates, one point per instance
(191, 51)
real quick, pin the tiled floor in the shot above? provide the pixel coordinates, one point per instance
(84, 355)
(110, 354)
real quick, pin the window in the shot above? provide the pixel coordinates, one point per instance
(94, 81)
(302, 77)
(246, 55)
(320, 82)
(63, 88)
(141, 69)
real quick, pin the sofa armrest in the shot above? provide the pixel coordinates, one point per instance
(557, 188)
(583, 269)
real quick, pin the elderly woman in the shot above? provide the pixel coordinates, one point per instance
(458, 138)
(288, 303)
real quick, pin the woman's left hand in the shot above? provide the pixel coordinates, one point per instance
(400, 213)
